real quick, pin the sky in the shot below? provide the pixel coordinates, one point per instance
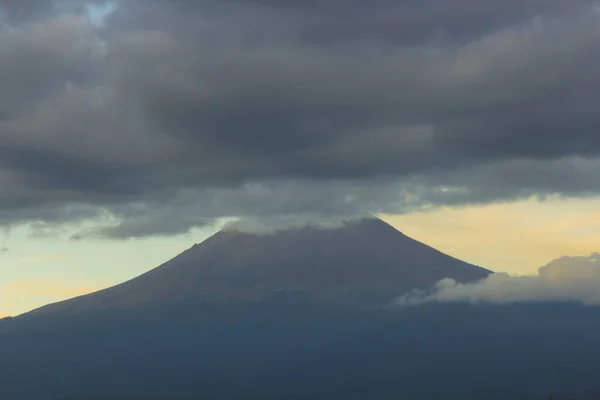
(130, 130)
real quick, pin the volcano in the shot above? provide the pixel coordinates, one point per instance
(362, 263)
(295, 314)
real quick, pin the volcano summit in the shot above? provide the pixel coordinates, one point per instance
(362, 263)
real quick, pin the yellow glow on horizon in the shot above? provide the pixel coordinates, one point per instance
(33, 294)
(41, 288)
(514, 237)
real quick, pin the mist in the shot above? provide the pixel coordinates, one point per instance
(566, 279)
(271, 225)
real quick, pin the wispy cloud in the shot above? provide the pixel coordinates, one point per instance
(572, 279)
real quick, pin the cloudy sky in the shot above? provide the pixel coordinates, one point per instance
(130, 129)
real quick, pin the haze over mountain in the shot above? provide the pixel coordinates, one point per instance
(364, 262)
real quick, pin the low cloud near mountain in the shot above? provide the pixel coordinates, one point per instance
(574, 279)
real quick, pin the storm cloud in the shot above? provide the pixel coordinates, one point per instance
(158, 116)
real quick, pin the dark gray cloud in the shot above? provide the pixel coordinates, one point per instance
(170, 114)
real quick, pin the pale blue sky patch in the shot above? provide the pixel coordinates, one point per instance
(98, 13)
(89, 263)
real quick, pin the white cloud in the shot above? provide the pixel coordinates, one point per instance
(574, 279)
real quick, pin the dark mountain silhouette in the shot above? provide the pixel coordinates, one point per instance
(301, 351)
(365, 262)
(283, 316)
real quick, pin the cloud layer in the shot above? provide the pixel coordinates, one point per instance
(166, 115)
(567, 279)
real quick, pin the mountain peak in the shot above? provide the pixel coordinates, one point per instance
(278, 225)
(360, 262)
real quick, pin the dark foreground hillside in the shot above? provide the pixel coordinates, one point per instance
(302, 351)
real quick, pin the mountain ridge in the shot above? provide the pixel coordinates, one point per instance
(154, 335)
(363, 262)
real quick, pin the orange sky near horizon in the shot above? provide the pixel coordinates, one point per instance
(517, 238)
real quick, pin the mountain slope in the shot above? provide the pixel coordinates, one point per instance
(365, 262)
(202, 326)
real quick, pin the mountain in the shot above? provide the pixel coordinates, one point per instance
(290, 315)
(365, 263)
